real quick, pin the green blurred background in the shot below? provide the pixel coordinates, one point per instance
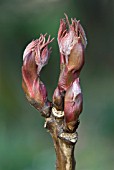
(24, 143)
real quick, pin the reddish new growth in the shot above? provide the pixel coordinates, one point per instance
(67, 96)
(72, 42)
(35, 57)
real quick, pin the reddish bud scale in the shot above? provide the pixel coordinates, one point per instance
(76, 58)
(66, 78)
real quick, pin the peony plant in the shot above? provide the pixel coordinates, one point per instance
(62, 114)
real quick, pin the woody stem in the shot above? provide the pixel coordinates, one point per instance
(64, 143)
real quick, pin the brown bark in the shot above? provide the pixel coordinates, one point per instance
(64, 142)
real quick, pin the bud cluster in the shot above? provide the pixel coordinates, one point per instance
(67, 96)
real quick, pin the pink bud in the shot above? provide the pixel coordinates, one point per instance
(73, 105)
(72, 41)
(35, 56)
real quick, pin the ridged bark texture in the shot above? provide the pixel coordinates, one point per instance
(64, 142)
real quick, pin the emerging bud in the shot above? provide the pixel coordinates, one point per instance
(72, 41)
(58, 99)
(73, 105)
(35, 56)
